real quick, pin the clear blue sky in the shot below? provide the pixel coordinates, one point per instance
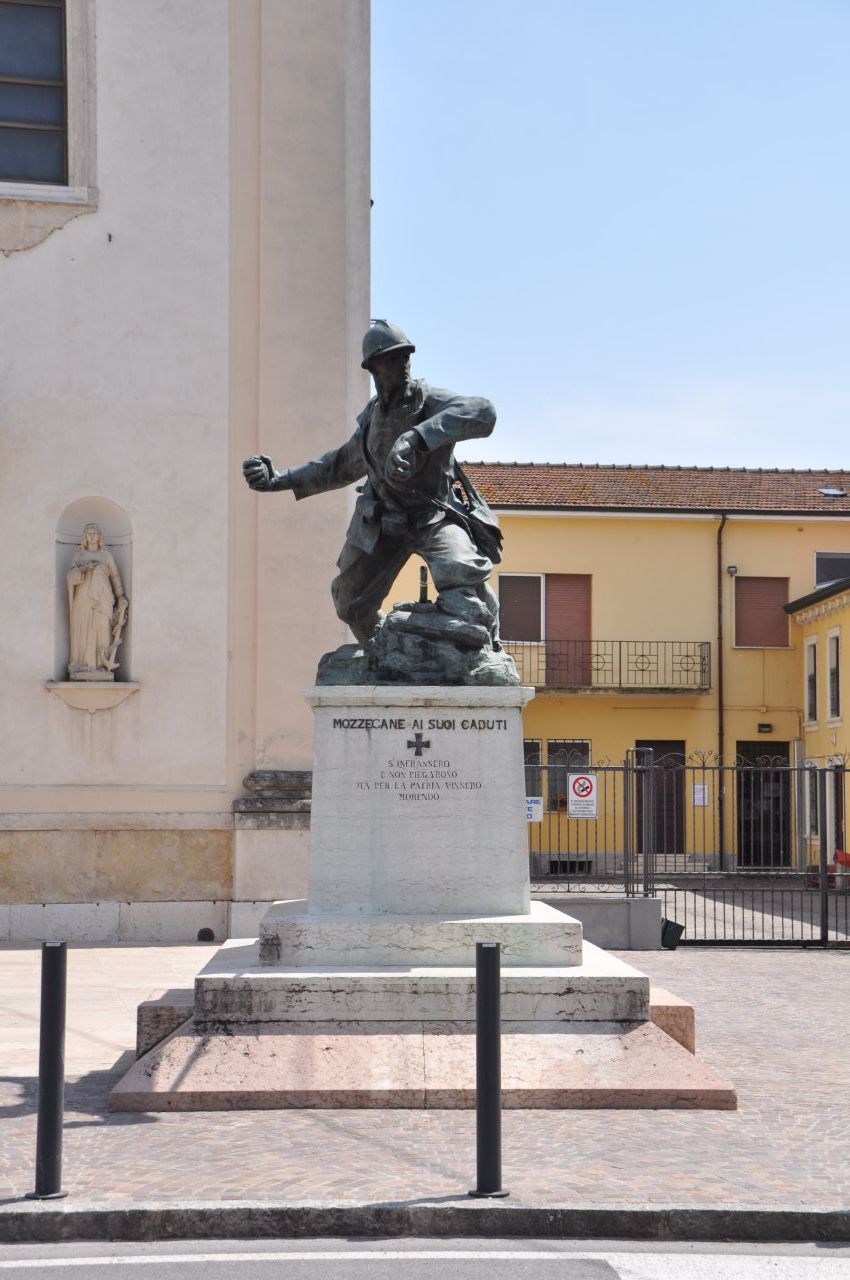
(627, 222)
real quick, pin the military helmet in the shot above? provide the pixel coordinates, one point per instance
(383, 338)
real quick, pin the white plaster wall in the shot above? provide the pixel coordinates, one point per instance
(114, 383)
(313, 311)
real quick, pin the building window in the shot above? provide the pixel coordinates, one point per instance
(33, 92)
(811, 691)
(551, 612)
(521, 606)
(833, 644)
(48, 117)
(533, 760)
(831, 566)
(563, 757)
(760, 619)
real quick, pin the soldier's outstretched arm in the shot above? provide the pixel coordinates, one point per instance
(333, 470)
(455, 418)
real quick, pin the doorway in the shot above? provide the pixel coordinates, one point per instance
(667, 796)
(763, 804)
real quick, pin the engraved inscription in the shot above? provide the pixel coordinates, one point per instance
(411, 779)
(419, 777)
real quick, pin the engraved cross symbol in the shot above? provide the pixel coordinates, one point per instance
(418, 744)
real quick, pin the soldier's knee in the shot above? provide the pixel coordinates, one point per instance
(471, 572)
(342, 600)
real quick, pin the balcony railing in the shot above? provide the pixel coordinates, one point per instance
(613, 664)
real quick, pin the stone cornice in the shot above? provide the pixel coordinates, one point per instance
(823, 608)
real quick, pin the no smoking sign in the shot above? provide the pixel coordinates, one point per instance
(581, 795)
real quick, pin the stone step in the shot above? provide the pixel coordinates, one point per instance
(163, 1012)
(235, 987)
(290, 936)
(417, 1064)
(167, 1009)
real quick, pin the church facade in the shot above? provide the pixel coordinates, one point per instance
(184, 227)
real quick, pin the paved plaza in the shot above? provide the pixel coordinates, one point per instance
(773, 1021)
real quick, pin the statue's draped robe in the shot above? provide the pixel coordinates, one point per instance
(92, 601)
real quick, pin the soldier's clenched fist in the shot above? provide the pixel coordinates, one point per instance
(260, 474)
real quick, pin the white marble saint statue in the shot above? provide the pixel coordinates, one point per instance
(97, 608)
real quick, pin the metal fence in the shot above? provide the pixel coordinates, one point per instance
(613, 664)
(753, 851)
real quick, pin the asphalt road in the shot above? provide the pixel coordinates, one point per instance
(422, 1260)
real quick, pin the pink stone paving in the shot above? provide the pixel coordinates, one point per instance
(774, 1022)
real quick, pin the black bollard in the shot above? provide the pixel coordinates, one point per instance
(488, 1070)
(51, 1074)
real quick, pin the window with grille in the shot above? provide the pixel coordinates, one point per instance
(760, 619)
(563, 757)
(811, 680)
(33, 92)
(834, 674)
(533, 759)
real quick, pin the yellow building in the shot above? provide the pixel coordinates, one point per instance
(647, 605)
(822, 625)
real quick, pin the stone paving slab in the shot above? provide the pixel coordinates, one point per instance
(774, 1022)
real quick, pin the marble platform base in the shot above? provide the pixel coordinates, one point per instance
(235, 987)
(290, 935)
(364, 995)
(417, 1064)
(167, 1008)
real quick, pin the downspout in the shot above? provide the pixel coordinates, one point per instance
(721, 722)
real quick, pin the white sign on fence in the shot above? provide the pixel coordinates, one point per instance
(534, 808)
(701, 795)
(581, 795)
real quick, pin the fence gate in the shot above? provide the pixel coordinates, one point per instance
(750, 852)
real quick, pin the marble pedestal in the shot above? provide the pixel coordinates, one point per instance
(418, 851)
(418, 802)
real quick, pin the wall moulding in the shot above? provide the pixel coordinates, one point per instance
(823, 609)
(92, 697)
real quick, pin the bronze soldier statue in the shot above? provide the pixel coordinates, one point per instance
(416, 500)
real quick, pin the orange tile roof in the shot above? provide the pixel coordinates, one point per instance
(575, 486)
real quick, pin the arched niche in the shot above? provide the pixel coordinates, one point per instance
(118, 537)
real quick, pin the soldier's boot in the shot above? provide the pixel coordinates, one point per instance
(476, 605)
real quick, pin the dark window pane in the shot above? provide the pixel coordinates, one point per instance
(519, 607)
(834, 679)
(32, 155)
(831, 567)
(31, 104)
(31, 42)
(811, 682)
